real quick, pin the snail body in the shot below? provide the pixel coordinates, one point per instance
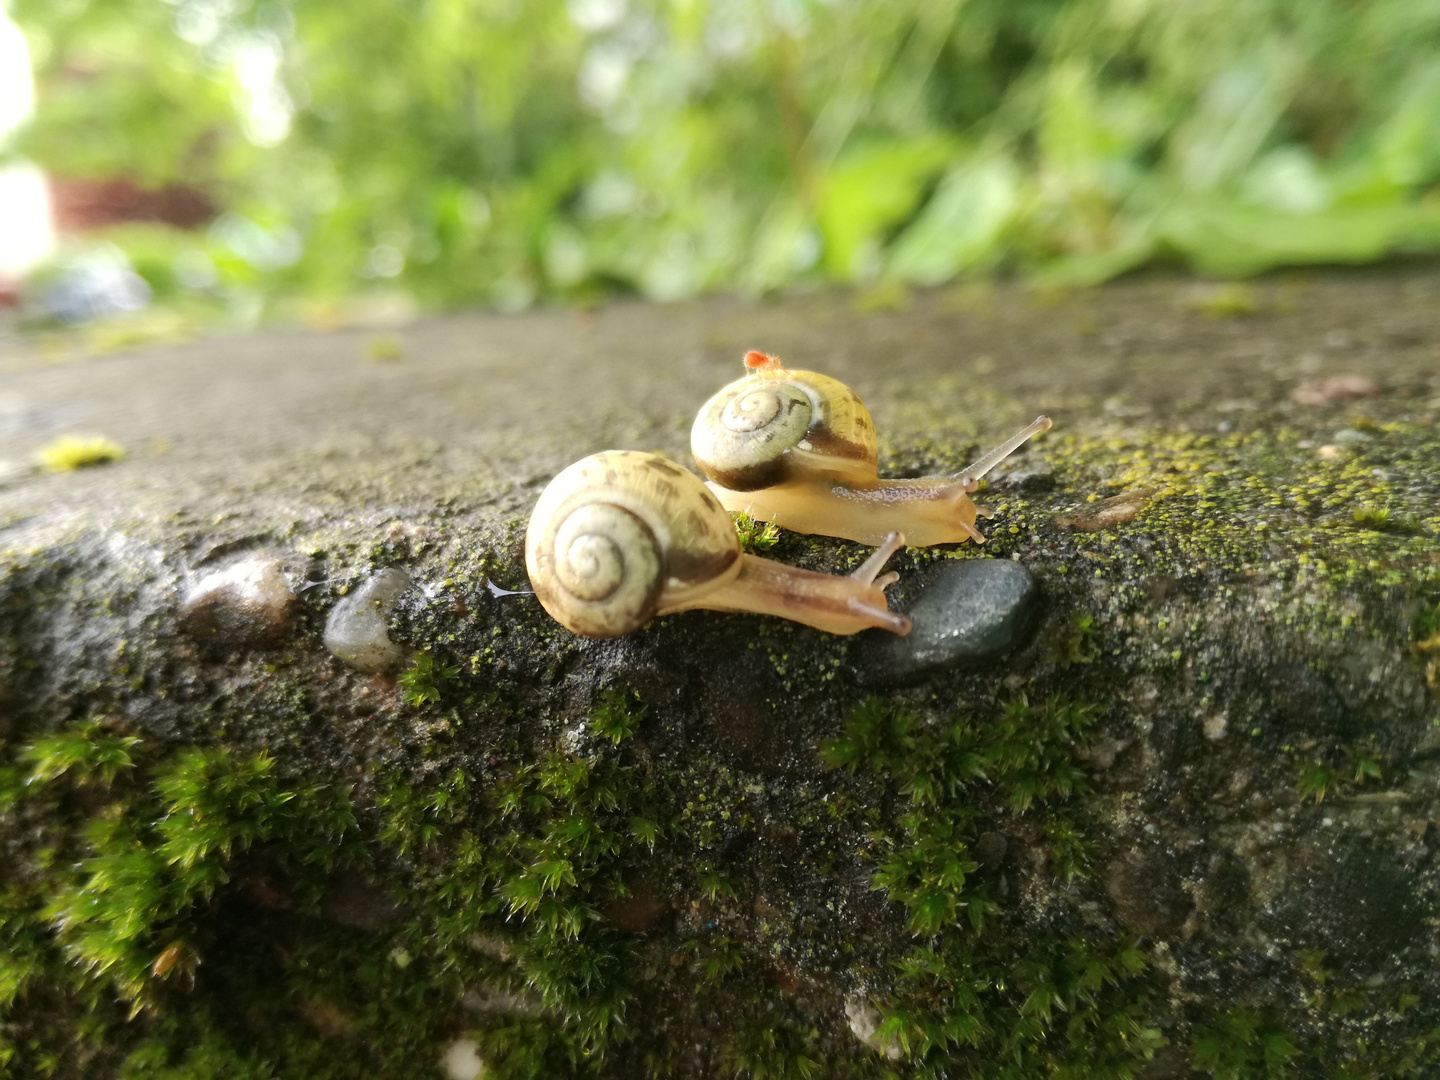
(622, 536)
(798, 448)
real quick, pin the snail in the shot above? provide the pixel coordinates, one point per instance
(798, 448)
(622, 536)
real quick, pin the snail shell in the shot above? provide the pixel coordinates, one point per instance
(620, 535)
(776, 425)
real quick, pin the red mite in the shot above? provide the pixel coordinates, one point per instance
(757, 359)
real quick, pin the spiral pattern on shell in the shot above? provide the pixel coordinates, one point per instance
(744, 437)
(614, 534)
(608, 561)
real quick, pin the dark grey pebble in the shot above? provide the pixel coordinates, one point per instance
(248, 603)
(967, 613)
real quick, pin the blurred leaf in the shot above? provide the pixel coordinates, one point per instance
(872, 189)
(1226, 238)
(961, 225)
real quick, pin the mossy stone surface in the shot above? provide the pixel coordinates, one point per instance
(1189, 827)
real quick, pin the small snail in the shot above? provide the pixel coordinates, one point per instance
(798, 448)
(622, 536)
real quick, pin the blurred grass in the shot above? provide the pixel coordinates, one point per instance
(501, 151)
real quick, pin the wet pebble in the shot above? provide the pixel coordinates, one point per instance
(248, 603)
(358, 629)
(969, 612)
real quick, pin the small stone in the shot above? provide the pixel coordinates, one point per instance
(1114, 511)
(489, 945)
(865, 1021)
(248, 603)
(460, 1060)
(1334, 389)
(970, 612)
(357, 630)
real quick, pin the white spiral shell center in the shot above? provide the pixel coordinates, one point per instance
(606, 556)
(752, 411)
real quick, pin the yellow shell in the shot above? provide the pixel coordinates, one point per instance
(622, 534)
(776, 425)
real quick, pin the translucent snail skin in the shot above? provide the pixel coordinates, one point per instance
(798, 448)
(622, 536)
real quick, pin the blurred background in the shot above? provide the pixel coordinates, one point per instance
(252, 159)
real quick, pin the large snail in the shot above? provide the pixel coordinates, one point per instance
(622, 536)
(798, 448)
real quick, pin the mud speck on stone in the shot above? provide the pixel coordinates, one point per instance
(358, 630)
(247, 604)
(638, 912)
(968, 613)
(1145, 887)
(1115, 511)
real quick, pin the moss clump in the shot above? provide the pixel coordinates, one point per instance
(71, 452)
(423, 682)
(1242, 1045)
(975, 987)
(755, 536)
(526, 863)
(117, 859)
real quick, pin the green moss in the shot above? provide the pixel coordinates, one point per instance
(423, 682)
(84, 752)
(1242, 1045)
(1343, 767)
(113, 892)
(782, 1052)
(1316, 778)
(615, 718)
(755, 536)
(970, 991)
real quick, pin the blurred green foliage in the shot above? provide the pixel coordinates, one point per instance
(507, 150)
